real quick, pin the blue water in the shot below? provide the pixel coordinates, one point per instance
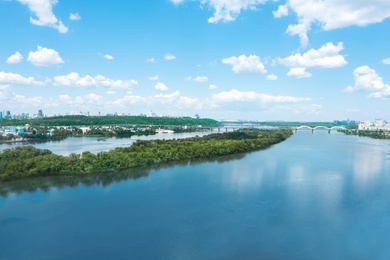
(79, 145)
(314, 196)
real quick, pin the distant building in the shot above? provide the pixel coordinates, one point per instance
(40, 113)
(379, 124)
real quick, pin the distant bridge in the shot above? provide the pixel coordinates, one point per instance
(319, 127)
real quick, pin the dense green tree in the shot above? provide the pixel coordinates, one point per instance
(28, 161)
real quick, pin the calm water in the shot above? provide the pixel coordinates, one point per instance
(98, 144)
(314, 196)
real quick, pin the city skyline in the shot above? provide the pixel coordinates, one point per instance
(248, 59)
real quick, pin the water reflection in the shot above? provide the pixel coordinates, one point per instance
(320, 190)
(47, 184)
(368, 160)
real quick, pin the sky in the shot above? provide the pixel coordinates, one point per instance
(294, 60)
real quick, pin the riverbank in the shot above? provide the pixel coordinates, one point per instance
(376, 134)
(28, 161)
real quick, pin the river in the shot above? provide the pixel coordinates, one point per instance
(313, 196)
(98, 144)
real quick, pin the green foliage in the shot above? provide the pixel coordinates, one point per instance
(29, 161)
(111, 120)
(376, 134)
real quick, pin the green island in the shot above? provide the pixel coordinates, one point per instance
(28, 161)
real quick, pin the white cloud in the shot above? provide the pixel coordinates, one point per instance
(15, 58)
(151, 60)
(173, 100)
(161, 87)
(176, 2)
(244, 64)
(282, 11)
(16, 79)
(251, 96)
(299, 73)
(228, 10)
(212, 86)
(169, 57)
(108, 57)
(74, 80)
(197, 79)
(154, 78)
(74, 17)
(325, 57)
(333, 14)
(26, 101)
(43, 11)
(366, 79)
(44, 57)
(110, 92)
(386, 61)
(271, 77)
(176, 100)
(93, 98)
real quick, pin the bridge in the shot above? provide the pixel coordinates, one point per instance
(319, 127)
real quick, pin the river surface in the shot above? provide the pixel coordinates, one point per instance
(98, 144)
(313, 196)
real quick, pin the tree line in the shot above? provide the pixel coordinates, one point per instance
(376, 134)
(28, 161)
(111, 120)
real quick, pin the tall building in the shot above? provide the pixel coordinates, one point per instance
(40, 113)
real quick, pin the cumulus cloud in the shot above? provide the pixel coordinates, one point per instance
(251, 96)
(366, 79)
(43, 10)
(151, 60)
(93, 98)
(161, 87)
(74, 80)
(333, 14)
(17, 79)
(244, 64)
(44, 57)
(197, 79)
(386, 61)
(169, 57)
(15, 58)
(74, 17)
(271, 77)
(327, 56)
(299, 73)
(282, 11)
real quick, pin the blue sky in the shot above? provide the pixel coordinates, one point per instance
(296, 60)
